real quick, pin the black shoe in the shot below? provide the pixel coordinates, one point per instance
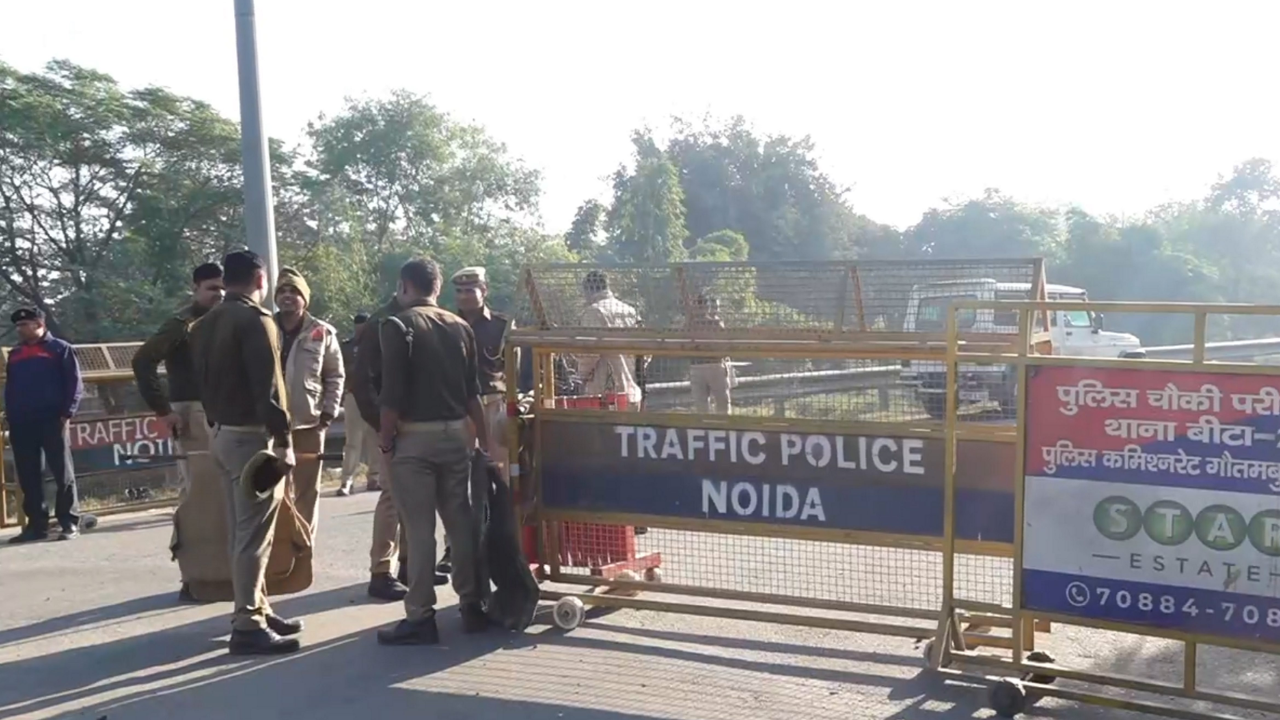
(261, 642)
(384, 587)
(184, 594)
(474, 619)
(71, 532)
(402, 575)
(283, 627)
(27, 535)
(445, 566)
(422, 632)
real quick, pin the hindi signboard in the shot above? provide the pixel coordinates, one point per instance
(880, 484)
(1152, 498)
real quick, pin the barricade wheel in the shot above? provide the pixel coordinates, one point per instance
(88, 522)
(928, 656)
(1008, 698)
(1043, 658)
(653, 575)
(569, 613)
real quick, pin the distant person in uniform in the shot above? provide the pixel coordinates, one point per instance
(387, 550)
(42, 391)
(471, 289)
(607, 374)
(361, 443)
(311, 357)
(178, 406)
(236, 349)
(709, 378)
(430, 389)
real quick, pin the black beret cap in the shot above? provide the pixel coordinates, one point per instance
(26, 313)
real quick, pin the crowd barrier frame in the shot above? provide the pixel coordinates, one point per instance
(1024, 674)
(101, 364)
(545, 338)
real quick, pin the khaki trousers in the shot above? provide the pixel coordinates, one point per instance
(430, 470)
(495, 417)
(388, 533)
(361, 444)
(710, 386)
(199, 466)
(305, 477)
(251, 520)
(193, 442)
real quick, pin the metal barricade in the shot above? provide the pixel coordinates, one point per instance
(1146, 523)
(823, 507)
(113, 425)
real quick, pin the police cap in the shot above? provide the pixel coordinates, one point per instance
(469, 277)
(26, 313)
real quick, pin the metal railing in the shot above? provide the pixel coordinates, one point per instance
(1230, 350)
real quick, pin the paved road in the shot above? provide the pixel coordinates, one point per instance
(90, 629)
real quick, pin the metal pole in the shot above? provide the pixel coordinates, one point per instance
(259, 221)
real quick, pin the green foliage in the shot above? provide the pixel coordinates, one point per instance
(645, 223)
(109, 195)
(583, 237)
(721, 246)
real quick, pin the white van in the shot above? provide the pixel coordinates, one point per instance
(1076, 333)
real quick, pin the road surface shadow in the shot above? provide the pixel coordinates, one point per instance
(60, 677)
(185, 672)
(74, 621)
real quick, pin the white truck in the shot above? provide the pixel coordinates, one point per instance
(1076, 333)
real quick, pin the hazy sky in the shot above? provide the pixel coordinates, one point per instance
(1116, 105)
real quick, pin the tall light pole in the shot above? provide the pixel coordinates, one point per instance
(259, 220)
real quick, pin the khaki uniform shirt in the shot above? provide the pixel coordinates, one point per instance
(429, 366)
(236, 353)
(168, 345)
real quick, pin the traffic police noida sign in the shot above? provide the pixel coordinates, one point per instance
(868, 483)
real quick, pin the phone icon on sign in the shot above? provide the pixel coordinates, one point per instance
(1077, 594)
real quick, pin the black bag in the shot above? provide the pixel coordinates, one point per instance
(513, 600)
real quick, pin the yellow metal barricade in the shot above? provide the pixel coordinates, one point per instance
(112, 426)
(818, 499)
(1147, 505)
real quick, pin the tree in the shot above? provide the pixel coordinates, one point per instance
(105, 193)
(645, 223)
(417, 176)
(722, 246)
(583, 237)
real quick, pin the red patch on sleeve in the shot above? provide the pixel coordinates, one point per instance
(317, 334)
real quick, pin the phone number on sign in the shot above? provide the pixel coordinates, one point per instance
(1080, 595)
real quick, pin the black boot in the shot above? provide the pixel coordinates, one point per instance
(284, 627)
(422, 632)
(29, 534)
(384, 587)
(445, 566)
(261, 642)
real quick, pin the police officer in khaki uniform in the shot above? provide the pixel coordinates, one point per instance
(385, 583)
(430, 389)
(470, 287)
(179, 407)
(236, 353)
(709, 378)
(311, 356)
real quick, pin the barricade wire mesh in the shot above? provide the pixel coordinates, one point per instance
(805, 569)
(802, 297)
